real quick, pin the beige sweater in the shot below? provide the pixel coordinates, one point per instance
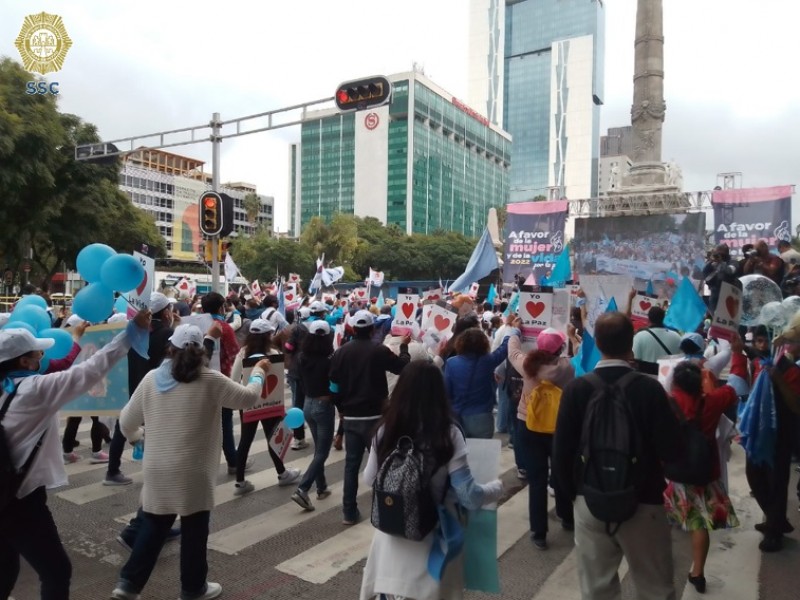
(184, 438)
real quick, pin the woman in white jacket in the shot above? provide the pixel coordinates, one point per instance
(419, 409)
(179, 404)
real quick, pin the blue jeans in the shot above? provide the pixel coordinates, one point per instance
(152, 535)
(480, 425)
(537, 452)
(115, 449)
(298, 401)
(357, 439)
(502, 410)
(320, 416)
(228, 442)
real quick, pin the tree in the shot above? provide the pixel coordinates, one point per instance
(252, 206)
(539, 198)
(261, 256)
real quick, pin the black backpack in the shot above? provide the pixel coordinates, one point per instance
(11, 478)
(513, 383)
(696, 464)
(611, 453)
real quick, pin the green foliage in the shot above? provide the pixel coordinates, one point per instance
(53, 204)
(251, 204)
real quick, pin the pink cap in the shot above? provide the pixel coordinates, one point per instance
(550, 340)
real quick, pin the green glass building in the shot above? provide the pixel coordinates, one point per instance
(425, 162)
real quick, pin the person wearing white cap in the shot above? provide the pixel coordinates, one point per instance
(259, 343)
(358, 382)
(30, 403)
(179, 404)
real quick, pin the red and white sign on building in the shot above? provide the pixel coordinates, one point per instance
(372, 120)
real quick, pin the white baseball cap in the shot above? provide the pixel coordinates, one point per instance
(74, 320)
(185, 335)
(362, 318)
(305, 312)
(158, 302)
(317, 307)
(319, 327)
(118, 318)
(261, 326)
(16, 342)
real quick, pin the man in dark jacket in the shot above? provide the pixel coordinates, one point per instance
(358, 382)
(644, 539)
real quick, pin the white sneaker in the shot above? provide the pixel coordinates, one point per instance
(243, 488)
(288, 477)
(120, 594)
(213, 590)
(299, 444)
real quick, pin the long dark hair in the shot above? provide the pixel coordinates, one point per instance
(187, 363)
(535, 360)
(418, 408)
(688, 377)
(257, 343)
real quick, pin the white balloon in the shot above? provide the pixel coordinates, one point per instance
(757, 291)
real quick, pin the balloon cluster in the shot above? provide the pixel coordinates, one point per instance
(30, 313)
(107, 272)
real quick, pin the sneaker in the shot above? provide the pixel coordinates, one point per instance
(98, 458)
(213, 590)
(288, 477)
(70, 458)
(539, 541)
(522, 474)
(118, 479)
(301, 499)
(322, 494)
(551, 491)
(352, 521)
(771, 543)
(243, 487)
(247, 466)
(120, 594)
(299, 444)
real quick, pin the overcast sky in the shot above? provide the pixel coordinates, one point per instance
(732, 83)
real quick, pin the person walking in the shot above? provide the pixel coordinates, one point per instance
(29, 407)
(358, 384)
(179, 404)
(319, 411)
(419, 409)
(258, 343)
(644, 539)
(701, 508)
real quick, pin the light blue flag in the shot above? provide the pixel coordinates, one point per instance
(513, 305)
(650, 291)
(380, 301)
(482, 262)
(590, 354)
(612, 306)
(687, 309)
(492, 295)
(562, 271)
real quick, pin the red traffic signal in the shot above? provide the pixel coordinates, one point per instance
(363, 93)
(211, 219)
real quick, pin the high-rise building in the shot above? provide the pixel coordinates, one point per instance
(168, 187)
(618, 141)
(616, 148)
(553, 89)
(487, 39)
(425, 162)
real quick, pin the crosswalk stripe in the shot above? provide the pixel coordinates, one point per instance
(324, 561)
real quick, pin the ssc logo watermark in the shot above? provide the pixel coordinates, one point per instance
(371, 121)
(43, 44)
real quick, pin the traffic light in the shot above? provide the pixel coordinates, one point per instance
(364, 93)
(211, 217)
(222, 247)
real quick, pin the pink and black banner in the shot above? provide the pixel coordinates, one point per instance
(745, 216)
(534, 238)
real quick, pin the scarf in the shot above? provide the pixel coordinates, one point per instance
(8, 382)
(164, 379)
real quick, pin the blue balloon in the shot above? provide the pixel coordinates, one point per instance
(91, 259)
(32, 300)
(121, 305)
(94, 303)
(44, 364)
(63, 344)
(20, 325)
(36, 317)
(294, 418)
(122, 273)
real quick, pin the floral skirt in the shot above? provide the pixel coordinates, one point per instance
(694, 507)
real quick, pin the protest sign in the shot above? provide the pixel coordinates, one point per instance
(442, 318)
(139, 298)
(405, 313)
(272, 392)
(338, 335)
(561, 306)
(110, 395)
(432, 295)
(665, 367)
(640, 307)
(360, 294)
(536, 311)
(745, 216)
(281, 439)
(725, 322)
(534, 238)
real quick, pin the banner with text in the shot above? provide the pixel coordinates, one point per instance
(534, 238)
(745, 216)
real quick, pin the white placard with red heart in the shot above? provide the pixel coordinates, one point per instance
(338, 335)
(432, 295)
(427, 311)
(665, 367)
(536, 312)
(442, 320)
(640, 306)
(280, 440)
(406, 310)
(291, 298)
(271, 404)
(360, 294)
(725, 322)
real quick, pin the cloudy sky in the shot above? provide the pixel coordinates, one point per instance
(732, 83)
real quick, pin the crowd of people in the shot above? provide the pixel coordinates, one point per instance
(388, 386)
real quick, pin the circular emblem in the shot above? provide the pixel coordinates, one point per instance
(388, 501)
(43, 43)
(371, 121)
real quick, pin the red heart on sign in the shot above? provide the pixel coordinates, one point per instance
(441, 323)
(289, 297)
(434, 297)
(272, 381)
(732, 304)
(408, 309)
(142, 285)
(361, 293)
(535, 308)
(644, 305)
(279, 436)
(664, 370)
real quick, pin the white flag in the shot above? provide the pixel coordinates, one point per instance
(231, 270)
(375, 277)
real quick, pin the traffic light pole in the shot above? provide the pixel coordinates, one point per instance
(216, 140)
